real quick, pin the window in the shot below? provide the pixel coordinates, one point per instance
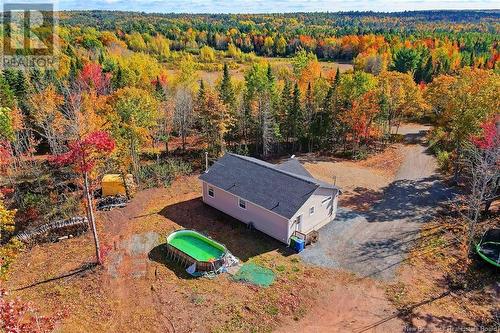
(242, 203)
(211, 192)
(326, 200)
(311, 210)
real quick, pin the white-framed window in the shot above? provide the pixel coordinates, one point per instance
(326, 200)
(242, 203)
(311, 210)
(210, 192)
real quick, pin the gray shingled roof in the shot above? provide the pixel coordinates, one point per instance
(292, 165)
(273, 187)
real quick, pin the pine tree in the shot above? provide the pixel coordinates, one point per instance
(226, 88)
(118, 80)
(269, 74)
(336, 81)
(295, 117)
(309, 114)
(7, 98)
(101, 58)
(284, 108)
(201, 93)
(36, 79)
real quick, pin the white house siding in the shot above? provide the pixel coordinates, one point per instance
(262, 219)
(323, 213)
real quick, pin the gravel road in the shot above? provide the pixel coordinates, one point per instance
(374, 243)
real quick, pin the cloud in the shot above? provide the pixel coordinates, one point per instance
(270, 6)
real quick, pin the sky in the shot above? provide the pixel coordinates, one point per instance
(272, 6)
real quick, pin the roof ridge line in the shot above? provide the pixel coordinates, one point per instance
(271, 166)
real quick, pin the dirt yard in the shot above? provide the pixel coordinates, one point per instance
(138, 290)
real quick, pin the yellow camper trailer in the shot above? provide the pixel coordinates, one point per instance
(113, 184)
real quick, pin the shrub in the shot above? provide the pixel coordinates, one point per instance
(361, 154)
(207, 54)
(444, 160)
(18, 316)
(161, 174)
(8, 253)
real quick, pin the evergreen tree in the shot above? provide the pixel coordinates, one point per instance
(226, 88)
(295, 116)
(7, 98)
(36, 79)
(336, 81)
(284, 108)
(118, 80)
(406, 60)
(201, 92)
(310, 110)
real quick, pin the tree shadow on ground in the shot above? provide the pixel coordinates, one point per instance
(416, 321)
(238, 239)
(477, 285)
(414, 138)
(361, 198)
(414, 199)
(80, 271)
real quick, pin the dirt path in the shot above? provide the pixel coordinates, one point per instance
(347, 308)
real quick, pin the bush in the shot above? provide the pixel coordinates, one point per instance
(161, 174)
(8, 253)
(19, 316)
(444, 160)
(360, 154)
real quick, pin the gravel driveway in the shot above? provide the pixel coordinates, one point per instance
(373, 243)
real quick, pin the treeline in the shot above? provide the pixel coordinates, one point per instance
(447, 40)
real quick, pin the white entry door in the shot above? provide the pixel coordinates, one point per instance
(298, 223)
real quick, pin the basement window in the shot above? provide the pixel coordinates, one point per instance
(311, 210)
(210, 192)
(242, 203)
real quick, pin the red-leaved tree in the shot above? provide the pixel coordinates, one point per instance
(84, 154)
(92, 77)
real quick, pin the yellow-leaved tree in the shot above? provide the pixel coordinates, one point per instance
(137, 111)
(9, 250)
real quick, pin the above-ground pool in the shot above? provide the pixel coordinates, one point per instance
(189, 247)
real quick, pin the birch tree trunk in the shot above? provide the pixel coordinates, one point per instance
(90, 214)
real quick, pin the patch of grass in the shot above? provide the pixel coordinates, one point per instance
(197, 299)
(295, 260)
(281, 268)
(272, 310)
(397, 294)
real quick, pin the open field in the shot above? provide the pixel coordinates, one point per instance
(238, 74)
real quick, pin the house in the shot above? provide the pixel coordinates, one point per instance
(279, 200)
